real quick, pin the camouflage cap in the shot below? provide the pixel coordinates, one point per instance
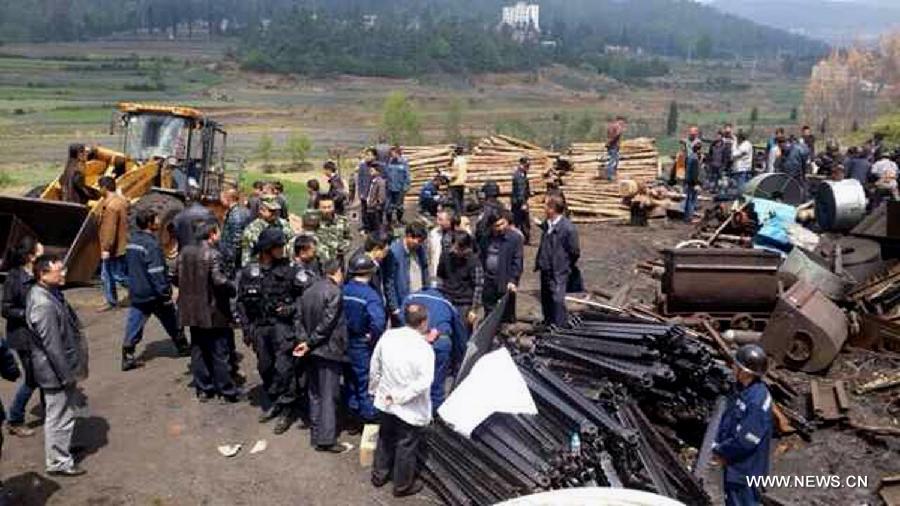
(271, 203)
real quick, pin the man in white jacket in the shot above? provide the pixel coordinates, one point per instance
(742, 159)
(400, 377)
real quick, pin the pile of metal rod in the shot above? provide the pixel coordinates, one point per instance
(573, 441)
(673, 376)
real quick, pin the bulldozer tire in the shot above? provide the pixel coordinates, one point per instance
(35, 193)
(166, 207)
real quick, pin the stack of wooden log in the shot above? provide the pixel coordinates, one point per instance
(493, 158)
(593, 199)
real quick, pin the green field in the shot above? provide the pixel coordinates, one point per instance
(53, 95)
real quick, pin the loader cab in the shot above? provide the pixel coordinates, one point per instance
(190, 146)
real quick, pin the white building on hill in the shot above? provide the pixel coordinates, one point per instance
(522, 16)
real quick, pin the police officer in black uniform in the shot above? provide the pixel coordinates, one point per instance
(266, 303)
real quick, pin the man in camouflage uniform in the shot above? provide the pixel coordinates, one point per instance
(236, 220)
(269, 210)
(334, 233)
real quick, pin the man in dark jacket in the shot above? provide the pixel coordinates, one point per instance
(462, 276)
(204, 306)
(491, 208)
(266, 304)
(376, 201)
(556, 260)
(715, 161)
(502, 259)
(521, 192)
(322, 334)
(149, 288)
(19, 280)
(60, 360)
(857, 165)
(691, 182)
(72, 182)
(405, 268)
(237, 217)
(359, 186)
(336, 189)
(187, 220)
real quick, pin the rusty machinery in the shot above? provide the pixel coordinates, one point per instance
(165, 149)
(737, 288)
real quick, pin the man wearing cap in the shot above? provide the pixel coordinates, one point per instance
(269, 210)
(268, 289)
(745, 432)
(448, 338)
(334, 232)
(521, 192)
(364, 309)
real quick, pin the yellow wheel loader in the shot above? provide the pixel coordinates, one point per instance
(166, 150)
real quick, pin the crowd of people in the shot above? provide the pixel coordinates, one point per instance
(728, 161)
(342, 336)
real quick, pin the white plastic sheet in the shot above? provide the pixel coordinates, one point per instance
(494, 385)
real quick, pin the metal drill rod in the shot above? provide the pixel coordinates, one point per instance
(454, 486)
(517, 444)
(528, 431)
(446, 490)
(602, 334)
(461, 476)
(512, 458)
(577, 419)
(604, 347)
(640, 377)
(516, 481)
(650, 465)
(585, 405)
(467, 468)
(672, 464)
(500, 466)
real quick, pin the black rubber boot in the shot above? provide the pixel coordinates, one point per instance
(129, 362)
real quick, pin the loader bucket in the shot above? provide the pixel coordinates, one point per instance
(66, 229)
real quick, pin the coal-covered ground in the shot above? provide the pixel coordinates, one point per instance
(146, 440)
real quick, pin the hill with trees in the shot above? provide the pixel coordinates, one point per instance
(413, 37)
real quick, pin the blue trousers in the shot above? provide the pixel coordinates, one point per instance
(741, 178)
(612, 165)
(113, 271)
(356, 388)
(443, 349)
(394, 206)
(139, 313)
(24, 392)
(690, 202)
(737, 494)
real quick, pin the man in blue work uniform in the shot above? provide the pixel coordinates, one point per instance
(364, 310)
(397, 174)
(149, 289)
(745, 432)
(448, 331)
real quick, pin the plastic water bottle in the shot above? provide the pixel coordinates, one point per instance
(575, 444)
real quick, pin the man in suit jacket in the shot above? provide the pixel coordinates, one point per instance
(502, 260)
(556, 260)
(405, 268)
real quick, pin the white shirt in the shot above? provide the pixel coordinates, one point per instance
(742, 154)
(553, 223)
(402, 367)
(885, 169)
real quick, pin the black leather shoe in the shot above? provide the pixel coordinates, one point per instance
(70, 472)
(413, 490)
(231, 398)
(284, 423)
(269, 415)
(205, 396)
(129, 362)
(184, 348)
(379, 483)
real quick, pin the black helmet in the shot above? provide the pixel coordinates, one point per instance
(524, 160)
(361, 265)
(268, 239)
(491, 189)
(752, 358)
